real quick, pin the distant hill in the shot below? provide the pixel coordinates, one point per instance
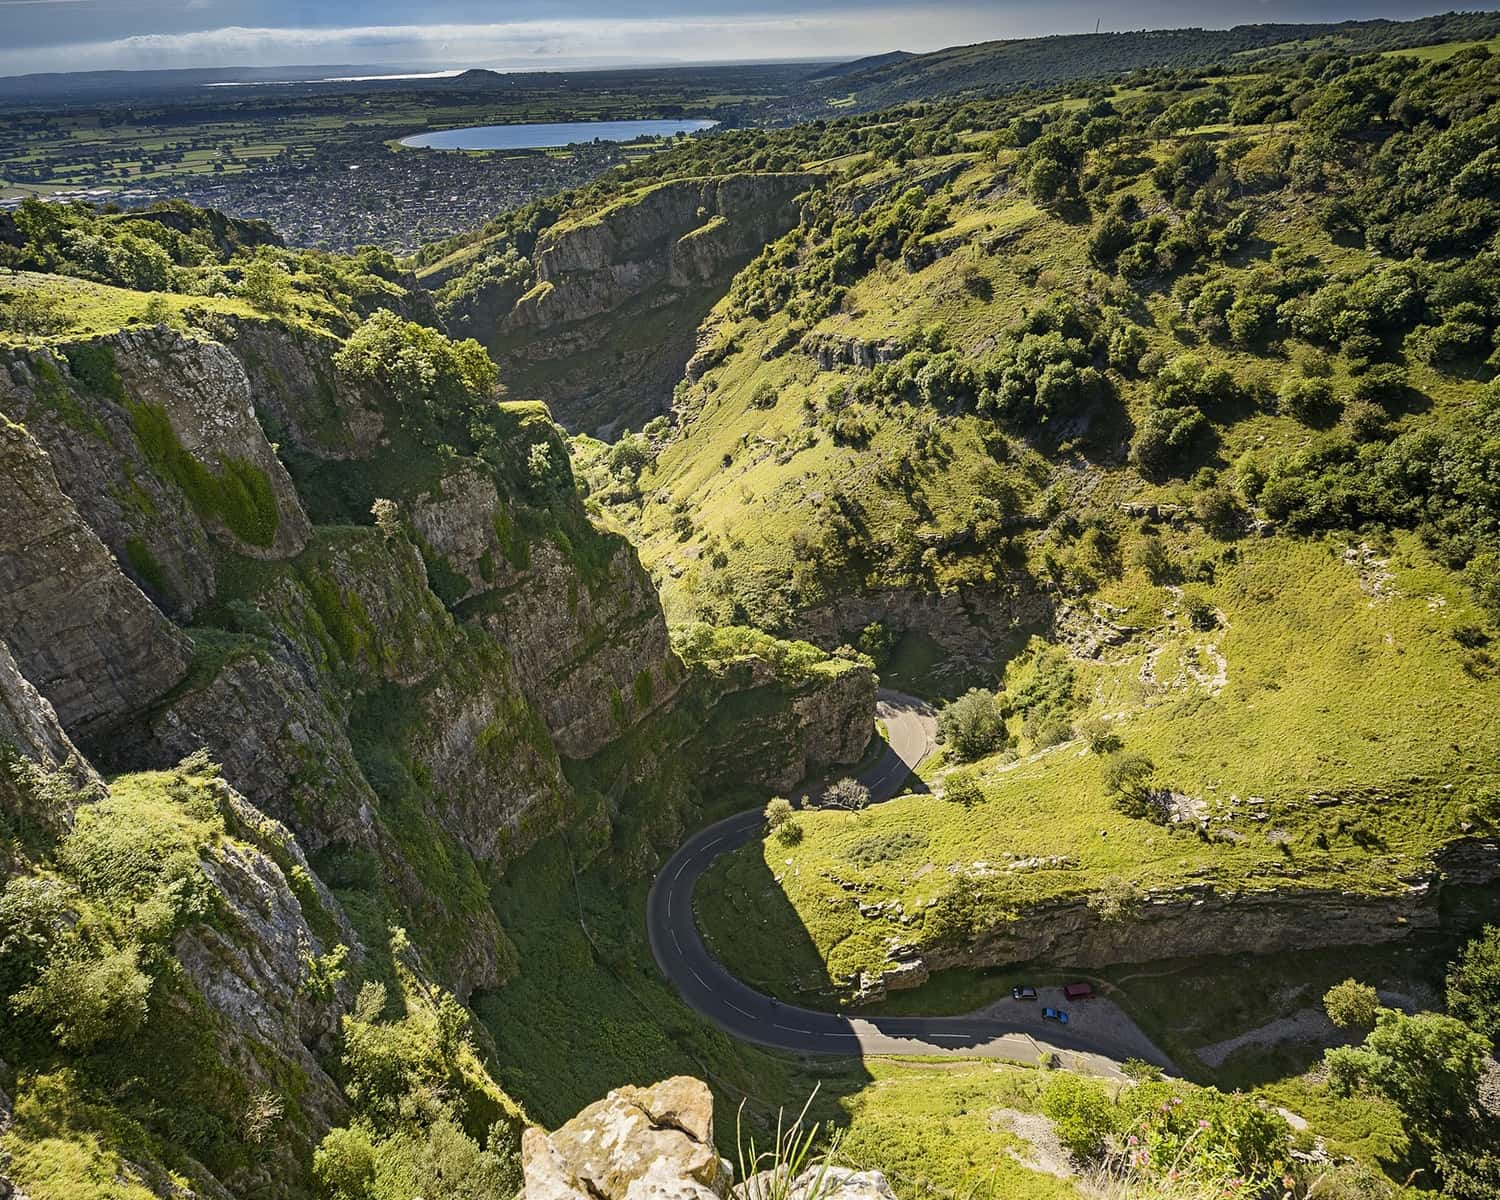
(995, 68)
(872, 62)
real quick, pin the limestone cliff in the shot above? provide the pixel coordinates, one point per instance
(191, 573)
(610, 322)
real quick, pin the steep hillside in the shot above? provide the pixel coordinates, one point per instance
(1167, 418)
(336, 629)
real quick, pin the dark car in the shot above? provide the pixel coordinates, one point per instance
(1055, 1014)
(1023, 993)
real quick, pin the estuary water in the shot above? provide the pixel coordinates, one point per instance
(541, 136)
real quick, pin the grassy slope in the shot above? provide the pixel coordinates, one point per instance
(1307, 640)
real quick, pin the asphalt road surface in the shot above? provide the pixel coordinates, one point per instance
(744, 1013)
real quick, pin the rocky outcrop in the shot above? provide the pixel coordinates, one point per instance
(301, 399)
(659, 257)
(657, 1143)
(205, 395)
(1202, 921)
(679, 235)
(81, 632)
(272, 732)
(966, 621)
(831, 350)
(29, 731)
(769, 729)
(153, 436)
(592, 653)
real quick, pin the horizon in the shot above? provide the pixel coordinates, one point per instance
(42, 36)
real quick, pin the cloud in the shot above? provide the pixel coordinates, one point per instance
(533, 42)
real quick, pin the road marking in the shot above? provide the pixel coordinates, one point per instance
(698, 977)
(792, 1028)
(675, 942)
(738, 1009)
(950, 1037)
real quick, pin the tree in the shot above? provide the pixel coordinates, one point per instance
(778, 812)
(972, 725)
(1474, 984)
(265, 283)
(1428, 1065)
(1351, 1005)
(847, 793)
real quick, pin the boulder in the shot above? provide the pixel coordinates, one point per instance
(640, 1143)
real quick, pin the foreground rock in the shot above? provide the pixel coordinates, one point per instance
(657, 1143)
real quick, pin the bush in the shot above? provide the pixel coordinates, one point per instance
(1364, 419)
(972, 726)
(1152, 556)
(1308, 400)
(962, 787)
(1351, 1005)
(1100, 735)
(848, 794)
(87, 997)
(1474, 984)
(778, 812)
(1218, 512)
(1163, 438)
(789, 833)
(1129, 779)
(1081, 1114)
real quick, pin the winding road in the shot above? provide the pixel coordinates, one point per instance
(752, 1016)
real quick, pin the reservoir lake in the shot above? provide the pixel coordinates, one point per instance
(544, 136)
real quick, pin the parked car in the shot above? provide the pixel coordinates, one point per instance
(1023, 993)
(1055, 1014)
(1078, 991)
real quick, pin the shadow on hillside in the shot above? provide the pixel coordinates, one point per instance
(588, 1010)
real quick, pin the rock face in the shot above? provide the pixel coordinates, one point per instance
(1200, 921)
(663, 256)
(153, 436)
(82, 633)
(657, 1143)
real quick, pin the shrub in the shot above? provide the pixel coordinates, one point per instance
(1309, 400)
(972, 726)
(789, 833)
(1081, 1114)
(962, 787)
(1474, 984)
(1218, 512)
(1351, 1005)
(1128, 778)
(1163, 437)
(1100, 735)
(344, 1163)
(1152, 556)
(847, 793)
(778, 812)
(1364, 419)
(88, 997)
(1116, 898)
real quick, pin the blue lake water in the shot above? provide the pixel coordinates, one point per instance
(541, 136)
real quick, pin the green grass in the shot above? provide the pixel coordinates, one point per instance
(1303, 648)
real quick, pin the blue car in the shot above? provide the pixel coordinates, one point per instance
(1055, 1014)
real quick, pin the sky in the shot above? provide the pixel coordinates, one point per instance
(79, 35)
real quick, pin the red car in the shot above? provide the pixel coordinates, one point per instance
(1078, 991)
